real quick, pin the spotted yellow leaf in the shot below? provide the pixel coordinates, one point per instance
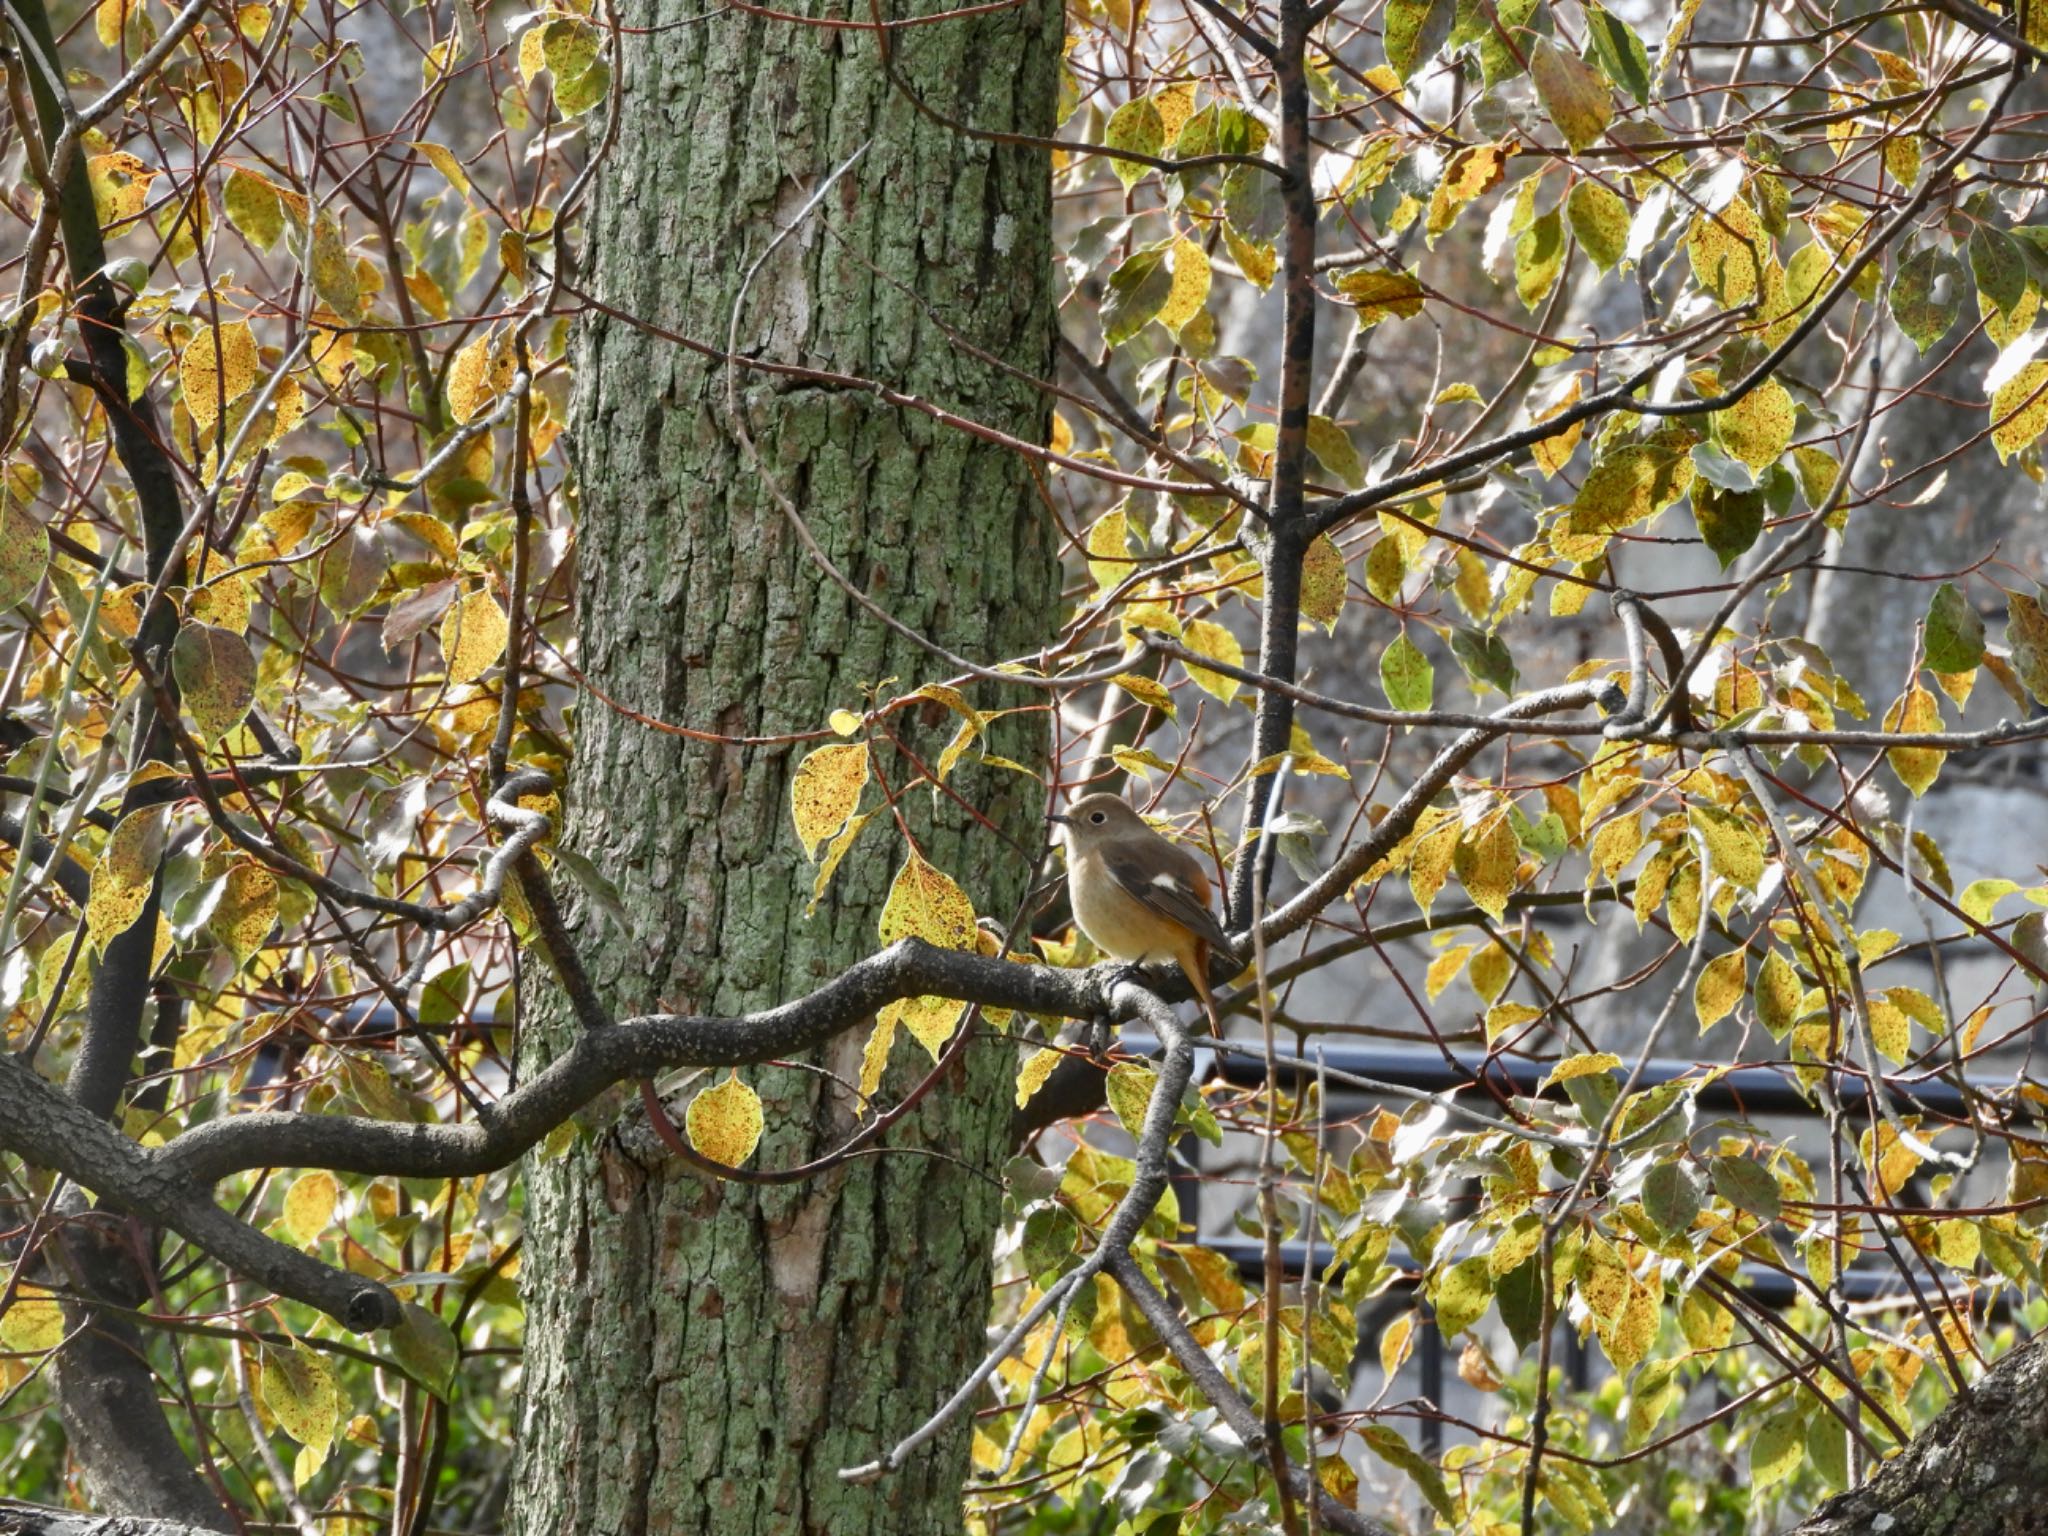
(724, 1122)
(309, 1206)
(216, 369)
(473, 635)
(121, 879)
(824, 792)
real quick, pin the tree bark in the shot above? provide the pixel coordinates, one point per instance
(704, 1357)
(1980, 1469)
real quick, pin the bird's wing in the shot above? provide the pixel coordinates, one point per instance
(1179, 894)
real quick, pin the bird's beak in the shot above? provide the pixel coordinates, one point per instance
(1062, 820)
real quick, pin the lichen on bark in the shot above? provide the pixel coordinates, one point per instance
(705, 1357)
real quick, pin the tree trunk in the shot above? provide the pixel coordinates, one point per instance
(1980, 1469)
(705, 1356)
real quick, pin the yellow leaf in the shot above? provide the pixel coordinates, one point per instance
(1176, 104)
(1219, 644)
(247, 910)
(1727, 250)
(1553, 453)
(1443, 970)
(446, 163)
(1379, 293)
(1429, 861)
(1108, 547)
(1032, 1075)
(120, 186)
(301, 1393)
(1916, 713)
(1503, 1017)
(924, 903)
(1893, 1160)
(1733, 847)
(1585, 1064)
(218, 599)
(1129, 1090)
(2019, 410)
(217, 368)
(1255, 258)
(1757, 428)
(825, 791)
(1720, 987)
(1324, 582)
(330, 269)
(481, 372)
(1778, 995)
(309, 1206)
(1147, 690)
(724, 1122)
(473, 635)
(1490, 972)
(1396, 1340)
(875, 1054)
(121, 879)
(35, 1322)
(1190, 285)
(1487, 863)
(833, 855)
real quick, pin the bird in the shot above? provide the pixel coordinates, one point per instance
(1139, 897)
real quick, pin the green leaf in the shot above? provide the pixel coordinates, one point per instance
(1600, 220)
(1539, 257)
(1671, 1196)
(1777, 1451)
(216, 677)
(1138, 127)
(1385, 1442)
(1619, 52)
(1729, 521)
(1498, 60)
(1927, 295)
(1137, 291)
(1999, 266)
(254, 209)
(1414, 30)
(1485, 659)
(1406, 676)
(1575, 95)
(1747, 1185)
(2026, 635)
(1955, 631)
(1334, 450)
(1463, 1293)
(423, 1345)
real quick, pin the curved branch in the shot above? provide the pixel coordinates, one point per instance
(643, 1047)
(49, 1129)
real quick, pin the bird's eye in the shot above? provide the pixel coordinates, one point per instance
(1098, 817)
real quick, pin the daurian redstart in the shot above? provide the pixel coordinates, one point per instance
(1141, 898)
